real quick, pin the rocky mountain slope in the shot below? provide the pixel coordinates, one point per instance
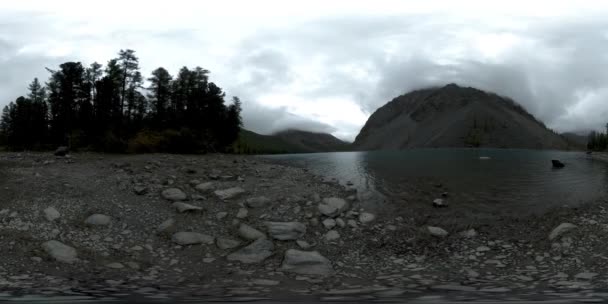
(454, 116)
(288, 141)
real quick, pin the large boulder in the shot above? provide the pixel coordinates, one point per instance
(62, 151)
(560, 230)
(51, 214)
(255, 252)
(285, 231)
(229, 193)
(174, 195)
(98, 220)
(60, 252)
(249, 233)
(191, 238)
(332, 206)
(257, 202)
(306, 262)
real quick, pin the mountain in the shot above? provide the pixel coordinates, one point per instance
(577, 138)
(288, 141)
(454, 116)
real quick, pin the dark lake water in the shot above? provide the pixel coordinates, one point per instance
(513, 179)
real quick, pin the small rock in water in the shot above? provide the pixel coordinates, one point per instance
(306, 262)
(286, 230)
(183, 207)
(191, 238)
(332, 206)
(256, 252)
(329, 223)
(249, 233)
(229, 193)
(51, 214)
(439, 203)
(560, 230)
(174, 194)
(60, 251)
(98, 220)
(366, 218)
(436, 231)
(257, 202)
(332, 235)
(243, 212)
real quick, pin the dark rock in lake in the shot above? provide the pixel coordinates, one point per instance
(557, 164)
(62, 151)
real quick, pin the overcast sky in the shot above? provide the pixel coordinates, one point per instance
(327, 65)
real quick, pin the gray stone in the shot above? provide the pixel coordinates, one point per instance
(140, 190)
(226, 243)
(205, 187)
(174, 194)
(329, 223)
(62, 151)
(303, 244)
(471, 233)
(560, 230)
(265, 282)
(256, 252)
(453, 287)
(229, 193)
(183, 207)
(60, 251)
(115, 266)
(257, 202)
(221, 215)
(285, 231)
(191, 238)
(98, 220)
(340, 222)
(306, 262)
(243, 213)
(585, 276)
(166, 226)
(332, 235)
(436, 231)
(439, 203)
(51, 214)
(366, 217)
(332, 206)
(483, 248)
(249, 233)
(133, 265)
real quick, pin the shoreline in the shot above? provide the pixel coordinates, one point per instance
(395, 253)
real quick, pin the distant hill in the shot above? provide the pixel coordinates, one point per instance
(454, 116)
(577, 138)
(288, 141)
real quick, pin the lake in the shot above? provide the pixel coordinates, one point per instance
(502, 179)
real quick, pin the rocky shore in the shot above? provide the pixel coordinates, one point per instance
(93, 225)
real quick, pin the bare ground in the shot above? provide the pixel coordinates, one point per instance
(394, 255)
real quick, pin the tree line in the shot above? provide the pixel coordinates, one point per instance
(109, 109)
(598, 141)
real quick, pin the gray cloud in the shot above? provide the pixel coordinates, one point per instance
(554, 67)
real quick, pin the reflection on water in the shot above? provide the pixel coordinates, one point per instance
(513, 178)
